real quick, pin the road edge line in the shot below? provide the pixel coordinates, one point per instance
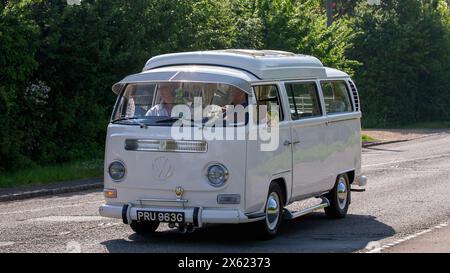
(46, 192)
(404, 239)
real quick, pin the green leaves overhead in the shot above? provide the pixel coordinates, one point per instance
(58, 61)
(405, 50)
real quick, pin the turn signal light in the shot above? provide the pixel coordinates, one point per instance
(110, 193)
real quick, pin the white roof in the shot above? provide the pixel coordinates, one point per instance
(264, 64)
(334, 73)
(219, 70)
(196, 73)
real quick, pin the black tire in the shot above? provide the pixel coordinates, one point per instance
(267, 230)
(338, 205)
(143, 228)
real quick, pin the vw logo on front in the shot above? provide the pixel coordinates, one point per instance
(162, 168)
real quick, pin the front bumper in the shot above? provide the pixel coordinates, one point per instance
(361, 181)
(196, 216)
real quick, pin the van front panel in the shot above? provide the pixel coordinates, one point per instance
(156, 175)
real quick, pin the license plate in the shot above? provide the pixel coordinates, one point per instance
(160, 216)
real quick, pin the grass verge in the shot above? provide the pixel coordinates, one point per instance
(47, 174)
(367, 139)
(67, 172)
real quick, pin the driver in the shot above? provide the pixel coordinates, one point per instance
(164, 108)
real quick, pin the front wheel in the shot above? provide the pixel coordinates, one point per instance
(143, 228)
(268, 228)
(339, 198)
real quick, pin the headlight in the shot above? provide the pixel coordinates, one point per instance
(217, 174)
(116, 171)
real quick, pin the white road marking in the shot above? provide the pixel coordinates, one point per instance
(2, 244)
(108, 224)
(407, 169)
(375, 247)
(73, 247)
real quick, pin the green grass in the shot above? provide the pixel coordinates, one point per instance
(366, 138)
(47, 174)
(94, 168)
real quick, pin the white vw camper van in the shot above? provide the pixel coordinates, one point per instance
(232, 136)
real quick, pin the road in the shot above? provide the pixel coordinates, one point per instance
(408, 191)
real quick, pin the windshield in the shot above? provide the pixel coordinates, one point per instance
(165, 103)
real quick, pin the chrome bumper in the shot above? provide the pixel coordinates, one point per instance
(361, 181)
(196, 216)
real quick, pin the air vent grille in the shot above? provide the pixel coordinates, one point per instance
(355, 95)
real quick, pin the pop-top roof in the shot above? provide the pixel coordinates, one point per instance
(264, 64)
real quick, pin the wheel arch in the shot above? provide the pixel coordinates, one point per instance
(282, 183)
(351, 176)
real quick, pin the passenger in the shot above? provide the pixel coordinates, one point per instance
(338, 104)
(237, 98)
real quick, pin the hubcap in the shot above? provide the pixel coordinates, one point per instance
(342, 193)
(272, 210)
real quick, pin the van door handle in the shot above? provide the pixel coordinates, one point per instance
(287, 142)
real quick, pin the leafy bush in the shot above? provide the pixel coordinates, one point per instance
(405, 49)
(58, 61)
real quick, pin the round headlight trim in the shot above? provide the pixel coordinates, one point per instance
(117, 170)
(217, 174)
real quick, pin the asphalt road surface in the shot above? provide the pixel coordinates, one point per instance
(408, 191)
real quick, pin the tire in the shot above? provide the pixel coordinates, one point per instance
(268, 228)
(143, 228)
(339, 198)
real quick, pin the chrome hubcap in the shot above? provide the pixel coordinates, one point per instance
(272, 210)
(342, 193)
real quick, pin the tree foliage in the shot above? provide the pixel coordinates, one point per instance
(405, 48)
(17, 64)
(58, 61)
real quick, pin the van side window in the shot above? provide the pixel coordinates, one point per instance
(268, 96)
(303, 100)
(336, 96)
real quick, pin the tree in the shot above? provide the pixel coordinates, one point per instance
(17, 64)
(86, 48)
(300, 26)
(404, 46)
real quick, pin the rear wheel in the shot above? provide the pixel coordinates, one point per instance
(143, 228)
(339, 198)
(268, 228)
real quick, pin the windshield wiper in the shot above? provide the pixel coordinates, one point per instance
(126, 118)
(167, 120)
(173, 119)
